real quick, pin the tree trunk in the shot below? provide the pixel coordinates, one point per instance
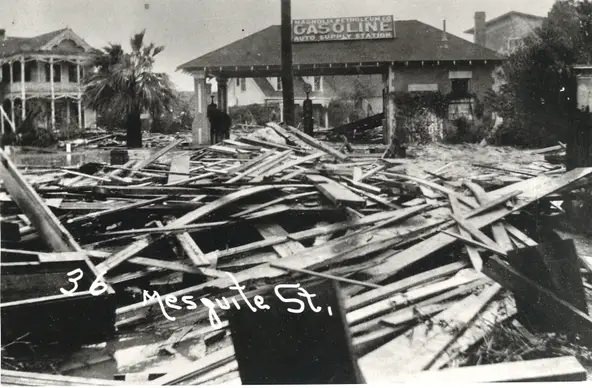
(134, 130)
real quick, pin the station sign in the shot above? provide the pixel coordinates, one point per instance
(345, 28)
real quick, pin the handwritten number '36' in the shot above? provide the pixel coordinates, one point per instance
(96, 288)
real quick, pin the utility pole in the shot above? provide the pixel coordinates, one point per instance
(287, 76)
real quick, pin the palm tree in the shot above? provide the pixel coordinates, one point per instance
(124, 84)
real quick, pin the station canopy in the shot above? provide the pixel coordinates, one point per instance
(414, 43)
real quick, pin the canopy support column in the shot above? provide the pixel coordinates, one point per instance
(201, 127)
(222, 94)
(389, 108)
(23, 94)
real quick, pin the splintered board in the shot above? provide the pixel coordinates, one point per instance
(275, 346)
(336, 193)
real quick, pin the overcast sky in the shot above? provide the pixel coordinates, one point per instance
(191, 28)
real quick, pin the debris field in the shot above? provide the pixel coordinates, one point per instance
(435, 267)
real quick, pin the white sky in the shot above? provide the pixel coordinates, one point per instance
(191, 28)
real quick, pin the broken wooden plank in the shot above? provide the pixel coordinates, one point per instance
(12, 377)
(115, 210)
(495, 313)
(473, 253)
(336, 193)
(369, 297)
(550, 305)
(405, 355)
(143, 242)
(179, 164)
(46, 223)
(324, 275)
(283, 249)
(311, 141)
(532, 190)
(565, 368)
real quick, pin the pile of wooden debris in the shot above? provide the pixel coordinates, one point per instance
(428, 267)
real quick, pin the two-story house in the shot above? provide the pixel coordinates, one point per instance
(504, 33)
(42, 75)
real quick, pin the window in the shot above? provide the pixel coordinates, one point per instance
(57, 72)
(243, 82)
(29, 70)
(16, 72)
(47, 72)
(238, 82)
(317, 83)
(460, 87)
(513, 44)
(72, 72)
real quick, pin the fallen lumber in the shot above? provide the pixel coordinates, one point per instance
(548, 369)
(46, 223)
(12, 377)
(336, 193)
(137, 246)
(573, 320)
(311, 141)
(532, 190)
(404, 355)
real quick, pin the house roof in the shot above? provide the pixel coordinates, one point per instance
(414, 41)
(268, 90)
(11, 45)
(507, 15)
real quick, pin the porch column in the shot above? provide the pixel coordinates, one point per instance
(52, 90)
(79, 95)
(326, 117)
(201, 127)
(388, 105)
(12, 112)
(67, 101)
(222, 94)
(10, 91)
(23, 95)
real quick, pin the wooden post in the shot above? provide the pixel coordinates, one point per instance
(12, 112)
(222, 94)
(52, 90)
(287, 74)
(579, 143)
(326, 118)
(23, 95)
(12, 99)
(79, 95)
(67, 101)
(390, 123)
(201, 127)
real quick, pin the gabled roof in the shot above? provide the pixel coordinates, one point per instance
(415, 41)
(17, 45)
(507, 16)
(268, 90)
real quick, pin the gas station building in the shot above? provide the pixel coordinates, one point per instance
(406, 55)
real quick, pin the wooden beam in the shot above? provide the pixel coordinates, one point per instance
(46, 223)
(547, 369)
(532, 190)
(190, 217)
(551, 306)
(403, 355)
(12, 377)
(311, 141)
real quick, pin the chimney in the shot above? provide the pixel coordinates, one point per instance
(2, 34)
(444, 39)
(480, 35)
